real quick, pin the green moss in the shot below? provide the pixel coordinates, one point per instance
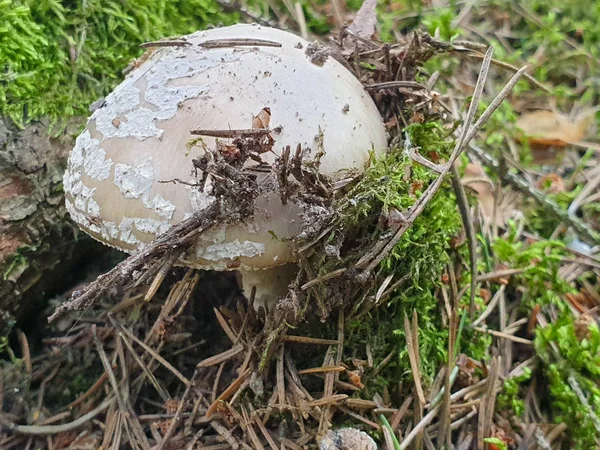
(573, 371)
(567, 361)
(540, 262)
(395, 182)
(511, 397)
(57, 57)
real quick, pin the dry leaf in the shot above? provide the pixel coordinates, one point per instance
(365, 20)
(262, 120)
(362, 26)
(547, 128)
(548, 133)
(476, 179)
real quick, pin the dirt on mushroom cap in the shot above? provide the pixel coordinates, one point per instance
(139, 136)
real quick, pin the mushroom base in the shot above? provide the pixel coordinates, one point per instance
(271, 284)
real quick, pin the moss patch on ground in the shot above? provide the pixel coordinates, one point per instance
(57, 57)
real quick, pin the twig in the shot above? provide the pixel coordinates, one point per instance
(42, 430)
(465, 213)
(152, 353)
(177, 239)
(221, 357)
(239, 42)
(504, 335)
(165, 43)
(301, 20)
(486, 407)
(419, 427)
(178, 413)
(395, 84)
(227, 393)
(512, 68)
(26, 352)
(230, 134)
(412, 345)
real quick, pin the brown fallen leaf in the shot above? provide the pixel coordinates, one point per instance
(365, 21)
(476, 179)
(548, 128)
(363, 26)
(262, 119)
(549, 132)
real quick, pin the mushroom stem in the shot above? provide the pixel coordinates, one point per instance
(271, 284)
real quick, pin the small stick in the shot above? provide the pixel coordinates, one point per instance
(42, 430)
(227, 393)
(178, 414)
(322, 369)
(163, 271)
(308, 340)
(221, 357)
(239, 42)
(254, 132)
(165, 43)
(500, 334)
(395, 84)
(332, 399)
(151, 351)
(463, 206)
(26, 352)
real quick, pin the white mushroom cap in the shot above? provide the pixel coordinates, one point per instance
(139, 136)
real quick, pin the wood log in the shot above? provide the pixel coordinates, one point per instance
(39, 247)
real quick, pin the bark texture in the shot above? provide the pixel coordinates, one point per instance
(36, 239)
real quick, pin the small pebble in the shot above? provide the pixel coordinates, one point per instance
(347, 439)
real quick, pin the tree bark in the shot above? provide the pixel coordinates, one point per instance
(37, 241)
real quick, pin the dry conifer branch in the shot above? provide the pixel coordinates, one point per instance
(522, 185)
(237, 191)
(176, 240)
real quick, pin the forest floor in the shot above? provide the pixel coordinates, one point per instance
(460, 308)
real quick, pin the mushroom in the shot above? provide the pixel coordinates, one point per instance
(219, 79)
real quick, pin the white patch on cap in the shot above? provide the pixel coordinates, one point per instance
(231, 250)
(123, 103)
(93, 208)
(88, 154)
(151, 226)
(164, 208)
(76, 157)
(199, 200)
(81, 200)
(96, 165)
(72, 182)
(87, 192)
(134, 181)
(74, 213)
(126, 231)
